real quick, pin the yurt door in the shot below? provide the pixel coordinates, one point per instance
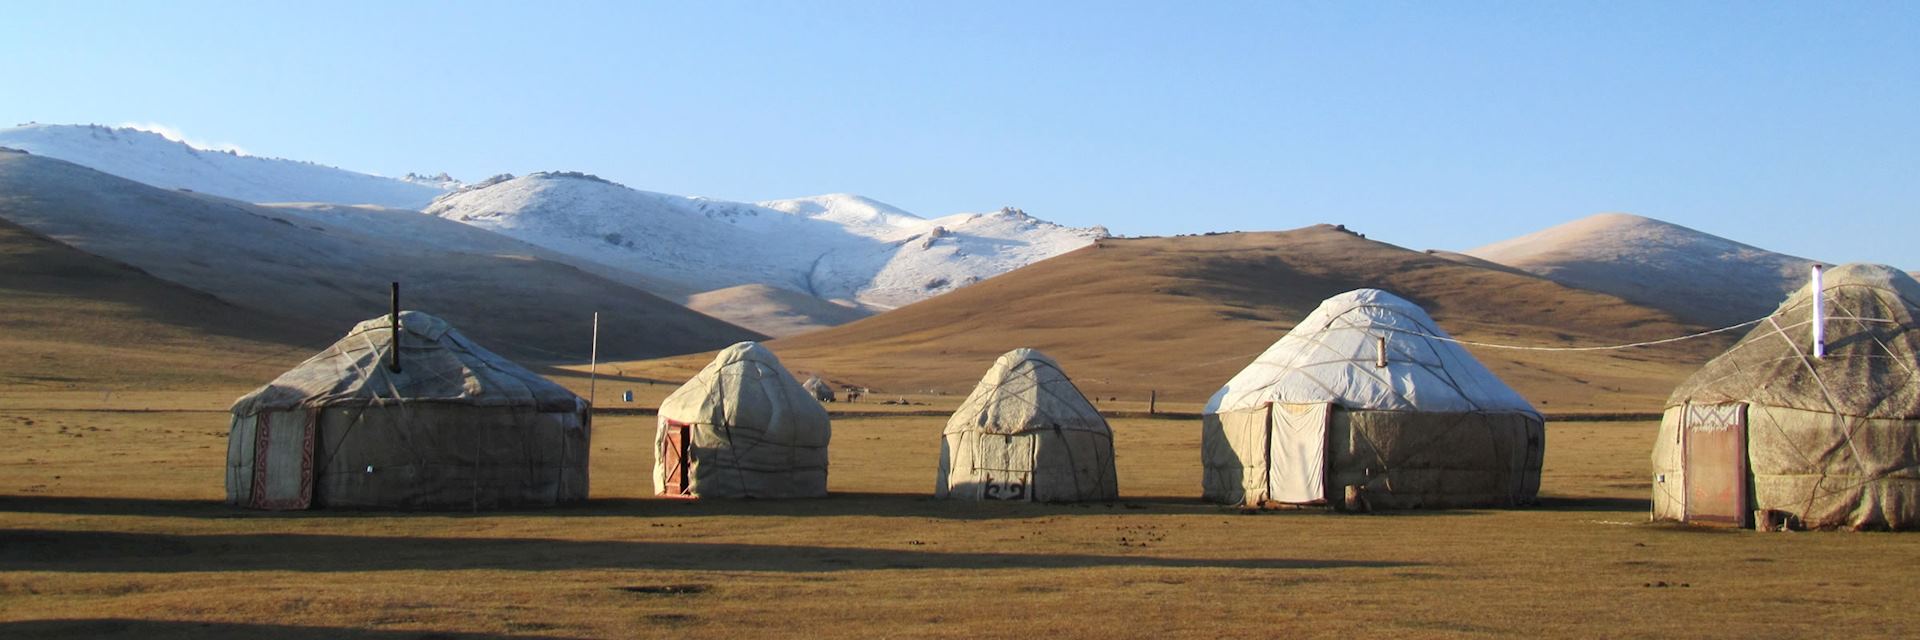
(1715, 446)
(1297, 453)
(1006, 467)
(283, 460)
(676, 459)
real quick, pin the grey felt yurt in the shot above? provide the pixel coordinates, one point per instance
(741, 428)
(1368, 403)
(1026, 433)
(1769, 429)
(819, 388)
(455, 427)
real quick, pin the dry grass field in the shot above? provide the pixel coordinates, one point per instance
(110, 525)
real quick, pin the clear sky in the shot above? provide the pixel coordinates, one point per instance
(1795, 127)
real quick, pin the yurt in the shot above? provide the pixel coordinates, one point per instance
(819, 388)
(1368, 404)
(436, 423)
(1026, 433)
(742, 428)
(1779, 433)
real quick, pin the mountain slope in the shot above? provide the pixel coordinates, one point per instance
(150, 158)
(772, 310)
(328, 270)
(1181, 315)
(834, 247)
(1695, 275)
(74, 319)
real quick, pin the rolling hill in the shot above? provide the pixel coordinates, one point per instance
(330, 267)
(1694, 275)
(773, 311)
(76, 320)
(150, 158)
(1181, 315)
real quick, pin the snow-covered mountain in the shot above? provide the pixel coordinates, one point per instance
(148, 157)
(1692, 274)
(834, 247)
(329, 266)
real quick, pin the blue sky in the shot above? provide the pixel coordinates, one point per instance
(1430, 125)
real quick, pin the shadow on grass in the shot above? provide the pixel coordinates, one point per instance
(1561, 503)
(115, 552)
(164, 630)
(896, 505)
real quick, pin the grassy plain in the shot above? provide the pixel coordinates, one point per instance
(110, 525)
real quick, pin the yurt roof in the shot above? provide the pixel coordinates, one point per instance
(1025, 390)
(1872, 364)
(1330, 357)
(437, 364)
(744, 384)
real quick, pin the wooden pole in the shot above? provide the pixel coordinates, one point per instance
(593, 369)
(393, 320)
(1153, 401)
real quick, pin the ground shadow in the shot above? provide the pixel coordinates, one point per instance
(165, 630)
(1562, 503)
(904, 505)
(865, 504)
(116, 552)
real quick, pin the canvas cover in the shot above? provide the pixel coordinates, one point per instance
(1330, 356)
(1026, 433)
(438, 364)
(819, 388)
(755, 432)
(458, 427)
(1832, 442)
(1425, 426)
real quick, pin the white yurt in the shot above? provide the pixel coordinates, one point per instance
(454, 427)
(819, 388)
(1026, 433)
(1804, 440)
(1368, 403)
(742, 428)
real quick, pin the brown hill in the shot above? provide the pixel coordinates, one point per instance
(1692, 274)
(331, 269)
(1181, 315)
(772, 310)
(72, 319)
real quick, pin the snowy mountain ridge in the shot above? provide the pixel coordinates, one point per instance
(152, 158)
(835, 247)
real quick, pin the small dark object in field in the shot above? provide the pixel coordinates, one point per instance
(666, 589)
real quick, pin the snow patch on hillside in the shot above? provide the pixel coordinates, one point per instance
(834, 247)
(172, 163)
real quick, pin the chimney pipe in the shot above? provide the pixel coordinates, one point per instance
(393, 320)
(1819, 315)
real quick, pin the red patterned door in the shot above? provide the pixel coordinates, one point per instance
(1715, 448)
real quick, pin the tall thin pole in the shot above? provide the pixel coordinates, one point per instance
(593, 370)
(1819, 315)
(393, 322)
